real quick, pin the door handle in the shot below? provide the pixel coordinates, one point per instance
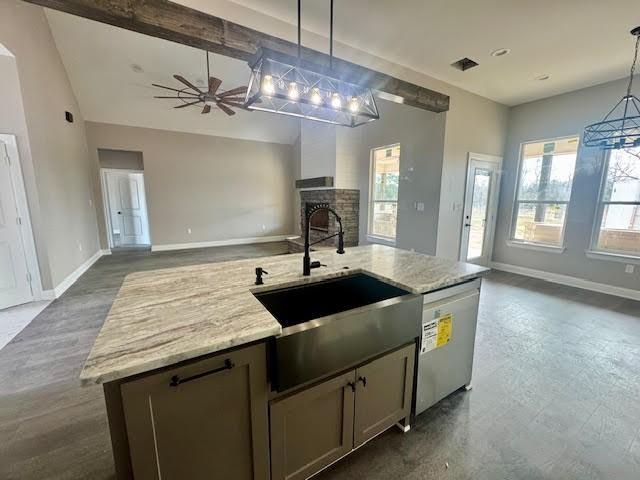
(176, 380)
(352, 385)
(119, 213)
(467, 224)
(363, 380)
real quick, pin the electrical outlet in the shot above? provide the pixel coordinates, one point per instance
(264, 228)
(629, 269)
(189, 231)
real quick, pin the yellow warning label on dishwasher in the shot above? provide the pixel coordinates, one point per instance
(436, 332)
(444, 329)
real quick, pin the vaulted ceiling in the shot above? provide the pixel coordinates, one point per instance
(111, 71)
(578, 43)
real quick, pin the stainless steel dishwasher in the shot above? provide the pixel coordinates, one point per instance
(445, 360)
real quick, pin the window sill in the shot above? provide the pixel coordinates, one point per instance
(536, 246)
(382, 240)
(613, 257)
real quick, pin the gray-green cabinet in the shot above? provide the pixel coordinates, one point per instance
(383, 395)
(203, 420)
(315, 427)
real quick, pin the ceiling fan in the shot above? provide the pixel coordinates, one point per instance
(192, 95)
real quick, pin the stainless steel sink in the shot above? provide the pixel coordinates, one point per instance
(331, 325)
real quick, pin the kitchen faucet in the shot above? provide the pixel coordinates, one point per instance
(310, 210)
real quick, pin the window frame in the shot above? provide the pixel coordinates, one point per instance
(372, 179)
(515, 242)
(594, 250)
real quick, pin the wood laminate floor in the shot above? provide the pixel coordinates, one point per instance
(556, 388)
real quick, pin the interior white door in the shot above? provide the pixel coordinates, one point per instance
(15, 281)
(480, 210)
(127, 208)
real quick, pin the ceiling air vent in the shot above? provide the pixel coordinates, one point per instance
(464, 64)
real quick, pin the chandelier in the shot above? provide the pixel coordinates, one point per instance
(621, 126)
(287, 85)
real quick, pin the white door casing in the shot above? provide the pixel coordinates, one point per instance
(480, 208)
(19, 273)
(126, 208)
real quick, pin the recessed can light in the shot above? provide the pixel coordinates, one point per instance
(542, 78)
(501, 52)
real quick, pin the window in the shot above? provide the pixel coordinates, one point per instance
(545, 179)
(383, 203)
(618, 218)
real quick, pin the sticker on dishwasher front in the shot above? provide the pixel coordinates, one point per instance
(436, 333)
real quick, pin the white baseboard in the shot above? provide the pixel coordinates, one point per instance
(62, 287)
(218, 243)
(568, 280)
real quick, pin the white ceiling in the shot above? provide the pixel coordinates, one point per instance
(98, 60)
(578, 43)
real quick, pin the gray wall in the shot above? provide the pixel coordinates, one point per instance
(120, 159)
(421, 137)
(474, 124)
(53, 152)
(221, 188)
(559, 116)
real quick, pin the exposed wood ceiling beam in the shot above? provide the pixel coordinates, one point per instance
(177, 23)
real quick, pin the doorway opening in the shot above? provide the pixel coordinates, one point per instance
(19, 271)
(480, 208)
(124, 199)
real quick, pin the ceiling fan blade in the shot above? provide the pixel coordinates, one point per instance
(187, 83)
(225, 109)
(206, 109)
(214, 84)
(233, 91)
(233, 104)
(233, 99)
(187, 104)
(178, 98)
(167, 88)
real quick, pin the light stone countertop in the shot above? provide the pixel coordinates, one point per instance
(163, 317)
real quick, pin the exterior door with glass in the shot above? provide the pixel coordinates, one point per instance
(480, 208)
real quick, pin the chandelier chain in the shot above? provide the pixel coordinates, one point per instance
(633, 66)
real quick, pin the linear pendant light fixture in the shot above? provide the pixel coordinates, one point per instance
(288, 85)
(621, 127)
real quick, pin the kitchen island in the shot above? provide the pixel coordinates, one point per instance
(184, 341)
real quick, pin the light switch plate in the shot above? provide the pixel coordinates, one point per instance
(629, 269)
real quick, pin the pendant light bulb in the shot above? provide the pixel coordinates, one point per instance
(354, 106)
(293, 93)
(267, 85)
(316, 98)
(336, 102)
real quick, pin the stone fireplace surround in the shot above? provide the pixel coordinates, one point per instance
(346, 202)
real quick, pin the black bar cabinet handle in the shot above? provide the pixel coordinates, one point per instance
(176, 380)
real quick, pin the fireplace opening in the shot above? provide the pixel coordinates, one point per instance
(320, 220)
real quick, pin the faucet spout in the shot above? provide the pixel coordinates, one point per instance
(310, 210)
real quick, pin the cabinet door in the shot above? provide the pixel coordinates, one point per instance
(311, 429)
(383, 393)
(211, 425)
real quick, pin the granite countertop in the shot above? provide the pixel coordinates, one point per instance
(163, 317)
